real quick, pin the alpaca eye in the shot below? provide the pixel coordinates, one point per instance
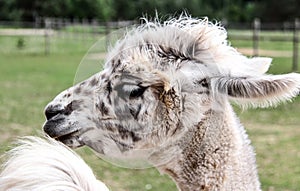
(137, 92)
(203, 83)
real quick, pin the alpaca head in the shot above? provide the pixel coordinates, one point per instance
(159, 81)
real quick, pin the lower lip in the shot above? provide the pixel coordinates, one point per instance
(70, 140)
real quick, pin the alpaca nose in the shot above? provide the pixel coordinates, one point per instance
(53, 110)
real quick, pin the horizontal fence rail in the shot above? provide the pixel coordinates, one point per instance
(49, 32)
(290, 34)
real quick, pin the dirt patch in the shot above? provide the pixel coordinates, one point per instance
(261, 52)
(98, 56)
(26, 32)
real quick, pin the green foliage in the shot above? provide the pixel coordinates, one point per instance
(231, 10)
(20, 43)
(274, 10)
(27, 10)
(8, 10)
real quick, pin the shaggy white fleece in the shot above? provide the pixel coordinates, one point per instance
(38, 164)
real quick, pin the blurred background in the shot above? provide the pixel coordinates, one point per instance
(42, 43)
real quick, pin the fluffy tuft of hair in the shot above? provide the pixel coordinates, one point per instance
(44, 164)
(189, 38)
(264, 91)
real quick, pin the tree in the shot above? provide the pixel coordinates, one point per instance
(277, 11)
(232, 10)
(8, 11)
(27, 10)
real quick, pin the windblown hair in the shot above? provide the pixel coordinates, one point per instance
(44, 164)
(163, 97)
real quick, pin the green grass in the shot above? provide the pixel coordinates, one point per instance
(36, 45)
(29, 80)
(27, 83)
(266, 45)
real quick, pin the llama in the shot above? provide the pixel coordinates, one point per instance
(45, 164)
(166, 89)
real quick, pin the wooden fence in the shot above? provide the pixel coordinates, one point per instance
(93, 29)
(80, 29)
(256, 37)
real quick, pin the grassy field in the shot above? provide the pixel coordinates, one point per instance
(29, 80)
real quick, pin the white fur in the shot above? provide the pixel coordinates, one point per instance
(184, 116)
(46, 165)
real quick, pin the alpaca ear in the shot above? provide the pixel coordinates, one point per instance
(262, 91)
(260, 64)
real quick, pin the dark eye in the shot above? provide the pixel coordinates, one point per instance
(137, 92)
(203, 83)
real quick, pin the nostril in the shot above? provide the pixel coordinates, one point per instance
(68, 109)
(52, 111)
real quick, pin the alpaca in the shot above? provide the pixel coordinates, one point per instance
(164, 96)
(45, 164)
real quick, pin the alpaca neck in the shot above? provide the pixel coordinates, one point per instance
(216, 155)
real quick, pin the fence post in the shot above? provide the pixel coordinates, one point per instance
(95, 26)
(296, 45)
(107, 33)
(84, 28)
(46, 35)
(256, 30)
(37, 22)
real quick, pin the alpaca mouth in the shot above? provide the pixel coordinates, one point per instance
(65, 134)
(70, 139)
